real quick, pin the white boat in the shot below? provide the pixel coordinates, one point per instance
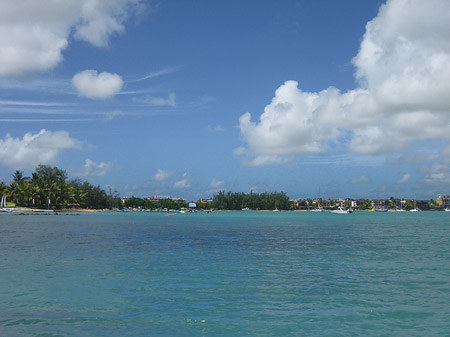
(319, 207)
(246, 209)
(341, 210)
(415, 209)
(447, 209)
(276, 210)
(3, 207)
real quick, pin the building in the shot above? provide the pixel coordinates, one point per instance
(443, 201)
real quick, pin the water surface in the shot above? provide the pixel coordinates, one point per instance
(225, 274)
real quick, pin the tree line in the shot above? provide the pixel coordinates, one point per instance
(256, 201)
(143, 203)
(49, 188)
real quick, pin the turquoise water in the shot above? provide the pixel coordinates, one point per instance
(225, 274)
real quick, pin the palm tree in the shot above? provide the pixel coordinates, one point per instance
(19, 187)
(4, 191)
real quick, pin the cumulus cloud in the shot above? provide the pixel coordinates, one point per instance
(162, 175)
(404, 179)
(91, 84)
(92, 169)
(403, 68)
(33, 34)
(43, 147)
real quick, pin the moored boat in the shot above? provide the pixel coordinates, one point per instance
(341, 210)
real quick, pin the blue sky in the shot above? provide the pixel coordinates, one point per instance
(186, 98)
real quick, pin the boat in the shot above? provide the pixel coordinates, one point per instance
(276, 210)
(341, 210)
(3, 207)
(246, 209)
(415, 209)
(319, 207)
(447, 210)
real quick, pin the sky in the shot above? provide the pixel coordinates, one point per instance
(187, 98)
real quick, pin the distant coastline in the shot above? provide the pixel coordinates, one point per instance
(50, 189)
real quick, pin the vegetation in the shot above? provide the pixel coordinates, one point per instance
(134, 202)
(238, 201)
(49, 187)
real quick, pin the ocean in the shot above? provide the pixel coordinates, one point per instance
(225, 274)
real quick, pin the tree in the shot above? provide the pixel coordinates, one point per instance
(4, 190)
(19, 187)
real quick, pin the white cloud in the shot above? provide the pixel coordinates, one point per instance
(183, 183)
(239, 151)
(360, 180)
(218, 128)
(438, 173)
(403, 67)
(33, 33)
(93, 85)
(216, 184)
(43, 147)
(412, 158)
(404, 179)
(109, 116)
(162, 175)
(159, 101)
(446, 154)
(92, 169)
(157, 73)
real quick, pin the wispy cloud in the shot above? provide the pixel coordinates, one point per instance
(162, 175)
(183, 183)
(109, 116)
(404, 179)
(360, 180)
(158, 101)
(218, 128)
(62, 120)
(92, 169)
(154, 74)
(216, 184)
(30, 103)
